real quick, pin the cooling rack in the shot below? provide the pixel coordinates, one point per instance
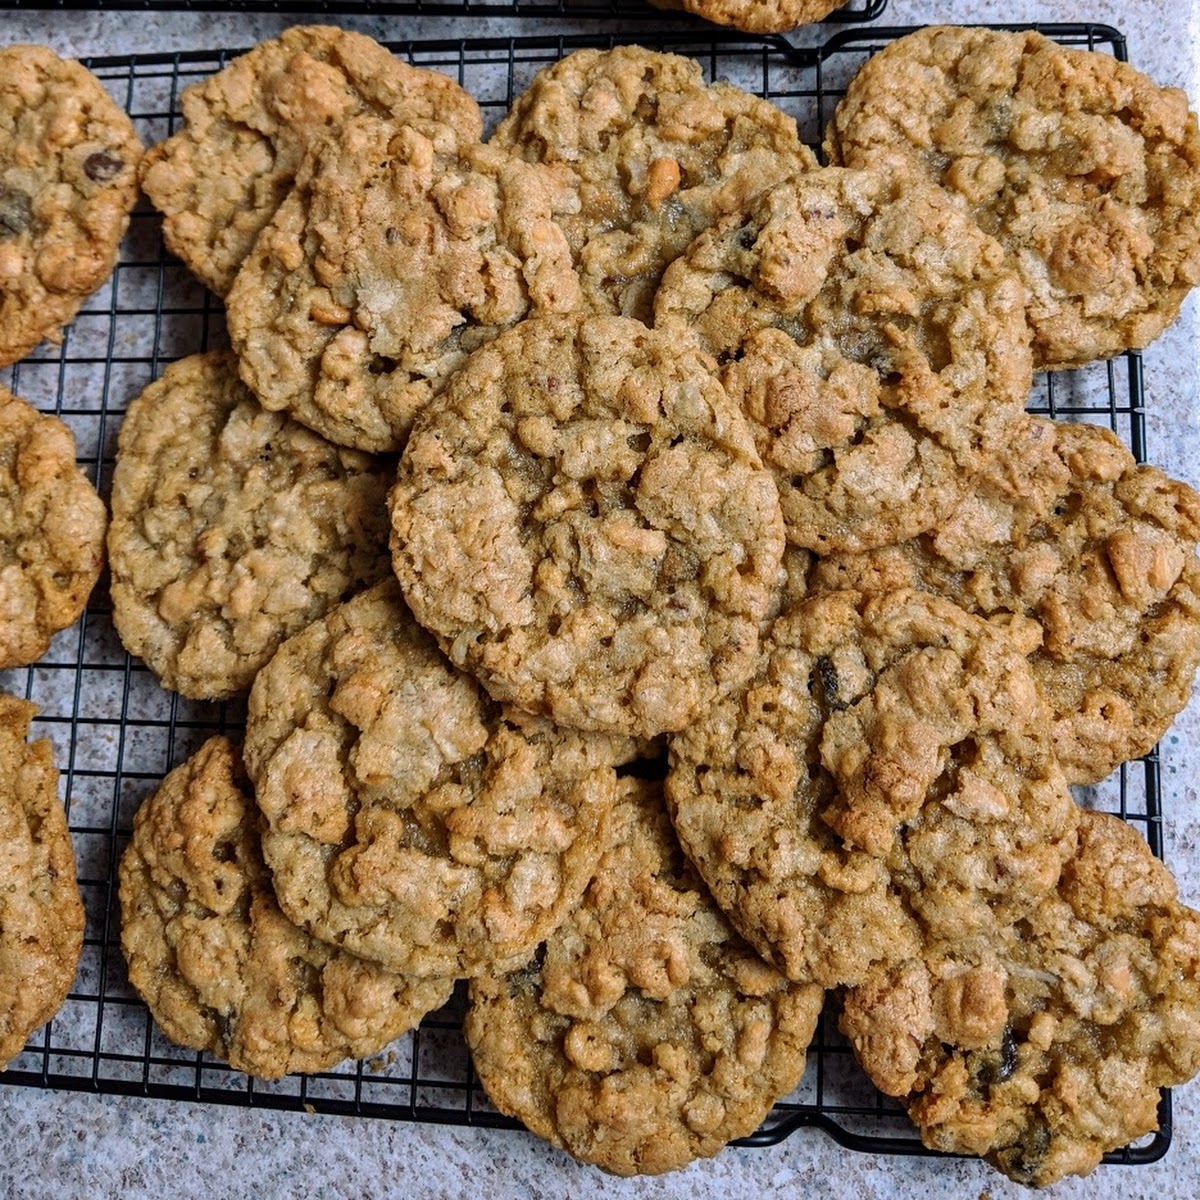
(116, 732)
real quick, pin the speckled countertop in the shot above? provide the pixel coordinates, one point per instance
(67, 1144)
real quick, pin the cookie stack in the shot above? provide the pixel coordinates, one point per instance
(713, 464)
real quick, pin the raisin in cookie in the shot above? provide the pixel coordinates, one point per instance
(409, 818)
(68, 182)
(887, 775)
(232, 527)
(1067, 529)
(220, 967)
(396, 254)
(646, 1033)
(1044, 1046)
(247, 129)
(52, 526)
(655, 155)
(876, 340)
(41, 913)
(1086, 171)
(583, 522)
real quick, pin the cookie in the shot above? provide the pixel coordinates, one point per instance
(756, 16)
(68, 182)
(887, 775)
(646, 1033)
(655, 154)
(246, 130)
(1044, 1047)
(395, 255)
(1086, 170)
(875, 338)
(219, 966)
(1065, 528)
(582, 521)
(232, 527)
(52, 526)
(41, 913)
(410, 819)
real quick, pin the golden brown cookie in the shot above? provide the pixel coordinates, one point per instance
(232, 527)
(396, 253)
(1086, 170)
(655, 154)
(583, 522)
(646, 1033)
(410, 819)
(41, 913)
(220, 967)
(52, 526)
(875, 338)
(1044, 1046)
(68, 182)
(756, 16)
(246, 130)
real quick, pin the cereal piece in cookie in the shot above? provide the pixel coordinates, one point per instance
(1065, 528)
(247, 129)
(232, 527)
(1043, 1047)
(646, 1033)
(409, 818)
(655, 154)
(756, 16)
(888, 773)
(395, 255)
(583, 522)
(1087, 172)
(52, 526)
(68, 182)
(41, 913)
(875, 338)
(220, 967)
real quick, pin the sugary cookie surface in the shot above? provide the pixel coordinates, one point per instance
(756, 16)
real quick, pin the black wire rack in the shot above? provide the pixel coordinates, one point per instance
(116, 732)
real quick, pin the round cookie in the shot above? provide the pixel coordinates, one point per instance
(876, 340)
(1042, 1048)
(756, 16)
(655, 154)
(220, 967)
(1065, 528)
(68, 182)
(52, 526)
(247, 129)
(232, 527)
(1085, 170)
(886, 777)
(646, 1033)
(410, 819)
(41, 913)
(396, 253)
(582, 521)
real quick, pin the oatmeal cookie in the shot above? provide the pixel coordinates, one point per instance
(410, 819)
(655, 155)
(1085, 170)
(876, 340)
(646, 1033)
(68, 182)
(1042, 1047)
(886, 777)
(1065, 528)
(233, 527)
(582, 521)
(247, 129)
(396, 254)
(41, 913)
(220, 967)
(52, 526)
(756, 16)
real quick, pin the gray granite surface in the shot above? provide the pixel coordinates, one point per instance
(61, 1144)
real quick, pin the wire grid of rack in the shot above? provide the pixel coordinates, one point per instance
(116, 732)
